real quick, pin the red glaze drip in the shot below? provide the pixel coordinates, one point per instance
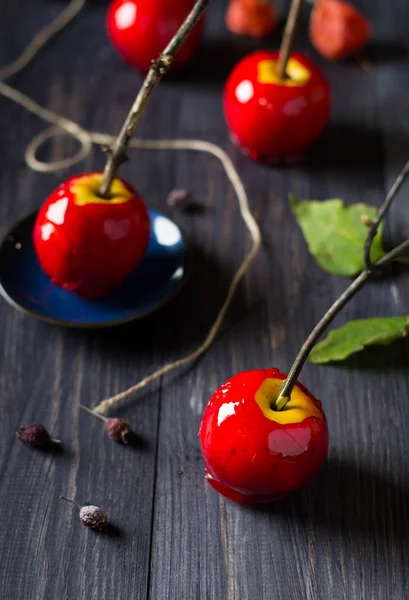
(140, 30)
(250, 457)
(88, 245)
(271, 118)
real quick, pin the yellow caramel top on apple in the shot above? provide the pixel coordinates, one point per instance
(86, 189)
(298, 408)
(298, 74)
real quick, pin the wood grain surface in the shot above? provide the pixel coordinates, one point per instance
(346, 535)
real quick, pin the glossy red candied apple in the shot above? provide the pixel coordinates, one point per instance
(87, 244)
(256, 18)
(141, 29)
(269, 117)
(253, 453)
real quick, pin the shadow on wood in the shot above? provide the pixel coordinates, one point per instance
(347, 147)
(114, 531)
(217, 57)
(355, 149)
(188, 316)
(385, 51)
(353, 500)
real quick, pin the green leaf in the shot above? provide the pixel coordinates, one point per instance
(335, 233)
(357, 335)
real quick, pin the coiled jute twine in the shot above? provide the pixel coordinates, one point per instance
(87, 139)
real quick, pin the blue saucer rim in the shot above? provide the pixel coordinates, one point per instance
(106, 324)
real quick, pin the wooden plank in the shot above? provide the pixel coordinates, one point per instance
(392, 88)
(45, 372)
(344, 536)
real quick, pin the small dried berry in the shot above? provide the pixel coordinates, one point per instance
(119, 430)
(256, 18)
(90, 516)
(93, 517)
(179, 198)
(338, 29)
(36, 435)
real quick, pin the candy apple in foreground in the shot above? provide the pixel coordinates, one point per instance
(87, 244)
(269, 117)
(256, 454)
(141, 29)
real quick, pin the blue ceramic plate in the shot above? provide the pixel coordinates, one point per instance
(154, 281)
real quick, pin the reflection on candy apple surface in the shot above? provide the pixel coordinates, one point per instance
(254, 453)
(269, 117)
(141, 29)
(87, 244)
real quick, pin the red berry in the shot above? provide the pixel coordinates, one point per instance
(179, 198)
(337, 29)
(35, 435)
(256, 18)
(141, 29)
(86, 244)
(271, 117)
(119, 430)
(254, 453)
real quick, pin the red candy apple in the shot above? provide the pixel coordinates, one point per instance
(141, 29)
(271, 117)
(87, 244)
(253, 453)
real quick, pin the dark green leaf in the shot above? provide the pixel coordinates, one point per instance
(356, 335)
(335, 233)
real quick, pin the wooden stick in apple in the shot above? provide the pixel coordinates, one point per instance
(289, 37)
(75, 234)
(369, 270)
(117, 154)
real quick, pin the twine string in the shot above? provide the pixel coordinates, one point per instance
(60, 124)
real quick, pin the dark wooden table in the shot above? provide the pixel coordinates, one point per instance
(345, 536)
